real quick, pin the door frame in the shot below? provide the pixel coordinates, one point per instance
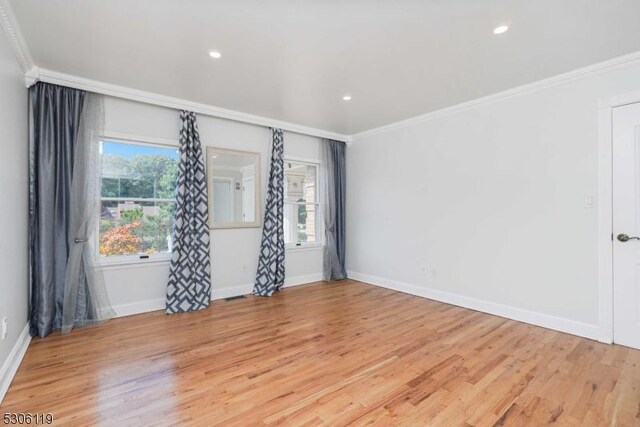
(605, 210)
(244, 181)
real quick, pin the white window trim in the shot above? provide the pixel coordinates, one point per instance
(137, 259)
(132, 260)
(312, 246)
(320, 242)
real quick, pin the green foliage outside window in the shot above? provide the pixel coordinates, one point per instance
(145, 227)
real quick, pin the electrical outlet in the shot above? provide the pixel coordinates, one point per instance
(5, 323)
(589, 201)
(429, 271)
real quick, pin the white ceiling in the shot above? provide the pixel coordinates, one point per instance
(294, 60)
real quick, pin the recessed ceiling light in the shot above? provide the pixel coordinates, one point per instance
(215, 54)
(346, 98)
(501, 29)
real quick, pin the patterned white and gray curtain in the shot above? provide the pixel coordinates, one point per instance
(189, 286)
(270, 275)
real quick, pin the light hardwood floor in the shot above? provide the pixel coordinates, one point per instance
(327, 354)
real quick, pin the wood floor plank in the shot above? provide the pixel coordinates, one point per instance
(343, 353)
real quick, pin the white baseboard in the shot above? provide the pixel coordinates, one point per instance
(139, 307)
(146, 306)
(11, 365)
(248, 288)
(605, 334)
(535, 318)
(302, 280)
(234, 291)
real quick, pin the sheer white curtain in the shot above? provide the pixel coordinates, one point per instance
(85, 296)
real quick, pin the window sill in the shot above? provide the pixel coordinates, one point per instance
(309, 247)
(120, 264)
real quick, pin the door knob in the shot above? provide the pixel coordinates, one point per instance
(625, 237)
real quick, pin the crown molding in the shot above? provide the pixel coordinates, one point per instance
(42, 74)
(11, 28)
(31, 76)
(577, 74)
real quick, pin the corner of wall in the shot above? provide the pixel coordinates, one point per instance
(12, 363)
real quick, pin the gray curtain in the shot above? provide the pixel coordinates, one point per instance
(270, 274)
(85, 296)
(334, 209)
(56, 136)
(55, 114)
(189, 286)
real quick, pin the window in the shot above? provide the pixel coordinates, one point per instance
(301, 207)
(137, 188)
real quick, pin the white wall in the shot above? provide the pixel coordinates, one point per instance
(234, 252)
(488, 203)
(13, 196)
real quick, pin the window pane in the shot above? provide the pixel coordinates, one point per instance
(131, 228)
(300, 223)
(133, 177)
(300, 182)
(141, 171)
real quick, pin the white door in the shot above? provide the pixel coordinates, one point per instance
(248, 200)
(222, 201)
(626, 225)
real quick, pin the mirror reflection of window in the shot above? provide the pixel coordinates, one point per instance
(301, 203)
(233, 177)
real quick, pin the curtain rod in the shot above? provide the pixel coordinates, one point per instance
(48, 76)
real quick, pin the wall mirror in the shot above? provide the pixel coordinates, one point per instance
(234, 188)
